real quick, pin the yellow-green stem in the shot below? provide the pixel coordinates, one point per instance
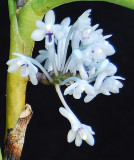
(21, 28)
(16, 86)
(0, 154)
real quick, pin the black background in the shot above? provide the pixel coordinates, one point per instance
(112, 118)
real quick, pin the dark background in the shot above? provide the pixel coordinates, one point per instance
(112, 118)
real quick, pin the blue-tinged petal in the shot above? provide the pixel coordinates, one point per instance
(75, 123)
(48, 65)
(115, 89)
(82, 72)
(88, 128)
(43, 51)
(57, 27)
(33, 77)
(90, 139)
(77, 93)
(71, 66)
(71, 87)
(95, 27)
(107, 36)
(41, 57)
(71, 136)
(41, 25)
(83, 19)
(100, 79)
(82, 133)
(23, 57)
(59, 35)
(12, 61)
(98, 55)
(118, 84)
(66, 22)
(13, 68)
(89, 89)
(101, 66)
(110, 70)
(32, 67)
(25, 71)
(78, 140)
(108, 49)
(118, 77)
(88, 98)
(104, 90)
(50, 18)
(92, 71)
(38, 35)
(112, 85)
(64, 112)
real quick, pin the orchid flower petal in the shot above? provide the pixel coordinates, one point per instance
(71, 136)
(38, 35)
(78, 140)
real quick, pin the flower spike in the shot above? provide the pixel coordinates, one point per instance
(86, 68)
(78, 130)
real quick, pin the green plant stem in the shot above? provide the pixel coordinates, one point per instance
(21, 27)
(16, 85)
(12, 8)
(0, 154)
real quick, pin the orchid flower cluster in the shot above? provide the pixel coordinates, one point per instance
(87, 69)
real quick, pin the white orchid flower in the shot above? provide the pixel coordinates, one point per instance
(78, 130)
(88, 35)
(83, 22)
(27, 68)
(77, 88)
(109, 70)
(48, 29)
(77, 63)
(110, 84)
(99, 71)
(101, 50)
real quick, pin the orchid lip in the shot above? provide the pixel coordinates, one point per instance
(49, 36)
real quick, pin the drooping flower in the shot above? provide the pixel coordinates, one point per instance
(27, 68)
(78, 130)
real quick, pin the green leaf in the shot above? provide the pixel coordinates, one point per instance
(41, 6)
